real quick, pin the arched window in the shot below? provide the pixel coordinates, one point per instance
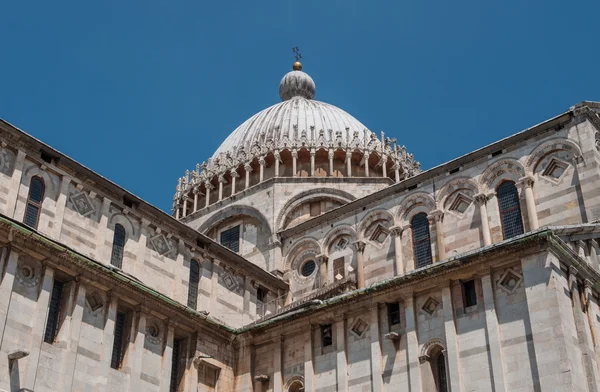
(510, 211)
(439, 361)
(193, 287)
(34, 202)
(296, 386)
(116, 257)
(421, 240)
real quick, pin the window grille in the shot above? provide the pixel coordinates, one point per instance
(393, 310)
(339, 270)
(34, 202)
(308, 268)
(469, 293)
(119, 338)
(230, 238)
(510, 210)
(53, 312)
(261, 294)
(175, 365)
(441, 373)
(116, 257)
(421, 240)
(193, 285)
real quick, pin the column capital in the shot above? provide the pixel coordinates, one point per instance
(481, 198)
(233, 173)
(397, 231)
(294, 153)
(359, 246)
(222, 179)
(322, 257)
(526, 181)
(261, 161)
(248, 167)
(330, 153)
(436, 216)
(208, 185)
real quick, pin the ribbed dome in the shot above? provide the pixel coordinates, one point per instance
(293, 117)
(296, 83)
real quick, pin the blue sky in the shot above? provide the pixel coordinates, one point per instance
(139, 91)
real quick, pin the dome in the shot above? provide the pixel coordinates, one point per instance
(294, 118)
(296, 83)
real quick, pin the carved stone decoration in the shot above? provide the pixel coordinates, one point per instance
(153, 333)
(29, 274)
(359, 327)
(160, 244)
(430, 306)
(94, 301)
(394, 336)
(510, 281)
(229, 281)
(82, 203)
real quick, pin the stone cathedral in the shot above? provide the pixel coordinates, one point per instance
(308, 254)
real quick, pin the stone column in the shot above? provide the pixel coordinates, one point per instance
(61, 204)
(341, 361)
(167, 358)
(330, 155)
(376, 368)
(248, 169)
(481, 200)
(412, 344)
(397, 172)
(234, 174)
(214, 281)
(312, 162)
(437, 217)
(397, 234)
(366, 155)
(262, 163)
(349, 162)
(176, 209)
(294, 159)
(359, 247)
(207, 187)
(383, 165)
(493, 333)
(451, 345)
(196, 191)
(221, 182)
(309, 370)
(185, 201)
(39, 327)
(527, 184)
(6, 286)
(108, 335)
(277, 376)
(322, 259)
(277, 159)
(15, 184)
(583, 331)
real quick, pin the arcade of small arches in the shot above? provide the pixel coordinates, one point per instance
(225, 176)
(420, 216)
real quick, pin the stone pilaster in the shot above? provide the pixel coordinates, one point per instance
(376, 366)
(137, 356)
(6, 285)
(73, 339)
(453, 359)
(108, 335)
(61, 204)
(527, 185)
(493, 333)
(322, 260)
(167, 358)
(437, 217)
(481, 201)
(359, 248)
(341, 360)
(309, 370)
(396, 232)
(412, 344)
(15, 184)
(277, 366)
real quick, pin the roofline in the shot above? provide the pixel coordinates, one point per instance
(427, 175)
(184, 230)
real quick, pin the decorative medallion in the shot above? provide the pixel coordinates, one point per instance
(29, 274)
(460, 203)
(82, 203)
(153, 333)
(510, 281)
(555, 169)
(380, 234)
(160, 244)
(430, 306)
(359, 327)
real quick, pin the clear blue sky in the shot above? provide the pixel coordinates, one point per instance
(139, 91)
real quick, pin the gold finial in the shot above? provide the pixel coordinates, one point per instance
(297, 64)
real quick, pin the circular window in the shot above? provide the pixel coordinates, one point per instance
(153, 331)
(27, 272)
(308, 268)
